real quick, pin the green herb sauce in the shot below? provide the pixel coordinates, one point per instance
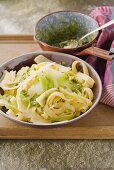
(54, 36)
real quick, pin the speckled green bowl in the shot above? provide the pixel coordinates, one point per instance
(53, 23)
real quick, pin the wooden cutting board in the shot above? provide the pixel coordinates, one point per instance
(99, 124)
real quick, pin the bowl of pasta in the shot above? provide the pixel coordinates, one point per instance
(48, 89)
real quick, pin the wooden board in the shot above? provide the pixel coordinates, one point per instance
(99, 124)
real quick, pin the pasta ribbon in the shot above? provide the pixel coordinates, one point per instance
(85, 80)
(87, 93)
(75, 66)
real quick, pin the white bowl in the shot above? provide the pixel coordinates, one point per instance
(28, 59)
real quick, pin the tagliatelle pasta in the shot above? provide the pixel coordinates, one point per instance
(47, 92)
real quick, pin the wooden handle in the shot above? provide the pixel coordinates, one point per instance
(97, 52)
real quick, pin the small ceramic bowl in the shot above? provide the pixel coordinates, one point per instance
(51, 24)
(28, 60)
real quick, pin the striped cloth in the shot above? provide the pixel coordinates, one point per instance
(105, 68)
(108, 95)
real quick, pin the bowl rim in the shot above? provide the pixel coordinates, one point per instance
(64, 49)
(55, 124)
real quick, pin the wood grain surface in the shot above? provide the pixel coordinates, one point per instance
(99, 124)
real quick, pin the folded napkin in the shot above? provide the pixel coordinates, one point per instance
(105, 40)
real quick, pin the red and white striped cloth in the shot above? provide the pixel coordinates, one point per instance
(105, 68)
(108, 95)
